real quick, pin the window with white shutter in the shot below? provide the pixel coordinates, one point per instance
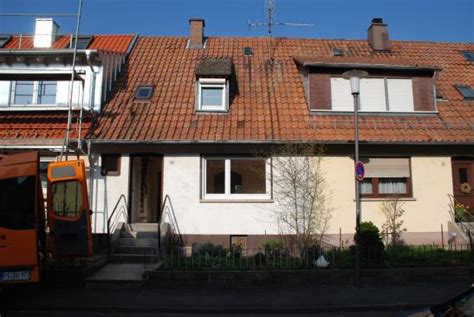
(376, 95)
(386, 177)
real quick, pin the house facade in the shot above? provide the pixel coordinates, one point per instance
(36, 87)
(177, 139)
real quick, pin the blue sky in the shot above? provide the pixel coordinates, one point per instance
(423, 20)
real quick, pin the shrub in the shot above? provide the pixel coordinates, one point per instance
(273, 248)
(209, 248)
(370, 243)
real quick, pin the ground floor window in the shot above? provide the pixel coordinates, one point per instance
(236, 178)
(386, 177)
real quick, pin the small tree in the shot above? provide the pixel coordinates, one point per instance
(301, 193)
(393, 211)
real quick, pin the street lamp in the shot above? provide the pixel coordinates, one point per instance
(354, 77)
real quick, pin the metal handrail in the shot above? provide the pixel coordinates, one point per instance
(122, 196)
(464, 229)
(173, 219)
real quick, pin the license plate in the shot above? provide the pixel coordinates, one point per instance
(15, 276)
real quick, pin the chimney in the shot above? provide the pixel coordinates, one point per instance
(46, 31)
(377, 35)
(196, 33)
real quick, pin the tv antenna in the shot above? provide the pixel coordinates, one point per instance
(271, 23)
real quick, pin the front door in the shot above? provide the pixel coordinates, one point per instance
(463, 180)
(146, 189)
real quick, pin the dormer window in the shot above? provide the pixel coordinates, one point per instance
(213, 84)
(386, 90)
(212, 94)
(34, 92)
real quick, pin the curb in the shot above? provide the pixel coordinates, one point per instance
(221, 310)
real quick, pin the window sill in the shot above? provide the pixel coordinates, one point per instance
(374, 113)
(37, 108)
(236, 200)
(368, 199)
(202, 111)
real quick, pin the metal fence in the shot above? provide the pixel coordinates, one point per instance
(218, 258)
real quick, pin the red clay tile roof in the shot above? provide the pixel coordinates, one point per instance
(111, 43)
(33, 126)
(270, 104)
(43, 126)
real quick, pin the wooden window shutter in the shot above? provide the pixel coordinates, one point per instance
(319, 91)
(387, 167)
(423, 95)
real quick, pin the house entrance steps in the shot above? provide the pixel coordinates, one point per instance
(133, 253)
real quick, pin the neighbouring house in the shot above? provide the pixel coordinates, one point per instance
(35, 79)
(180, 130)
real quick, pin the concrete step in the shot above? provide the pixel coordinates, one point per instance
(135, 250)
(138, 234)
(142, 242)
(143, 227)
(132, 258)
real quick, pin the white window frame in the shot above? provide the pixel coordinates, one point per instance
(35, 97)
(385, 104)
(212, 83)
(227, 195)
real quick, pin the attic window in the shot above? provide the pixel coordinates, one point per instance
(468, 55)
(466, 91)
(212, 86)
(337, 52)
(83, 42)
(144, 92)
(4, 40)
(247, 51)
(212, 94)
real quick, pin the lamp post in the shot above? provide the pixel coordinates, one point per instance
(354, 76)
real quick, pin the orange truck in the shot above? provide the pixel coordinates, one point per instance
(23, 218)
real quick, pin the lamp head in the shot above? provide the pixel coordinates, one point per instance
(354, 76)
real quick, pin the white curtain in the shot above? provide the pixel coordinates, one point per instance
(392, 186)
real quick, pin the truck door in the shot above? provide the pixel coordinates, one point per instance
(69, 218)
(21, 218)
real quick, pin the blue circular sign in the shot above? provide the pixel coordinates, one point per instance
(359, 171)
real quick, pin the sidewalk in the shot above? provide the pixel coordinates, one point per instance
(296, 300)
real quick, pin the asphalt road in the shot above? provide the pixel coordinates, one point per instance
(384, 300)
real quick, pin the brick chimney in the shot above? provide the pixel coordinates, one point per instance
(46, 32)
(377, 35)
(196, 33)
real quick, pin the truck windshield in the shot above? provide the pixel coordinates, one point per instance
(17, 203)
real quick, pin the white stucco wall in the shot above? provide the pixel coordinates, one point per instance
(105, 192)
(425, 212)
(181, 181)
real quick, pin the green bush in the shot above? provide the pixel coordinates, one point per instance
(209, 249)
(274, 248)
(370, 244)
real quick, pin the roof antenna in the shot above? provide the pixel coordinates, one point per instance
(270, 24)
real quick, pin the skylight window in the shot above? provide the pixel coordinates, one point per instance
(83, 42)
(143, 92)
(4, 40)
(468, 55)
(337, 52)
(466, 91)
(247, 51)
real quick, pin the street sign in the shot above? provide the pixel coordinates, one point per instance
(359, 171)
